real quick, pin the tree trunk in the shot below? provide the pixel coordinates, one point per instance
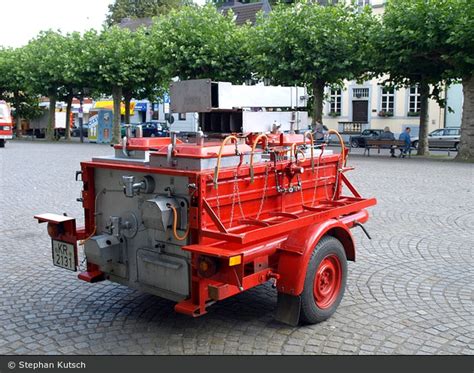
(52, 118)
(423, 134)
(17, 101)
(318, 99)
(127, 96)
(18, 126)
(466, 150)
(117, 96)
(67, 130)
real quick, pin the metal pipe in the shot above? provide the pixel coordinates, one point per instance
(293, 150)
(124, 146)
(199, 138)
(292, 122)
(343, 147)
(254, 146)
(312, 146)
(139, 131)
(218, 166)
(174, 136)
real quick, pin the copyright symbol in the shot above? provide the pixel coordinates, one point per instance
(11, 365)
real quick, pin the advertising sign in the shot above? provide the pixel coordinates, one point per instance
(93, 124)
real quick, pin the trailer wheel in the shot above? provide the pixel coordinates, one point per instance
(325, 281)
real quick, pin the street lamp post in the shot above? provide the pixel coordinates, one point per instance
(80, 93)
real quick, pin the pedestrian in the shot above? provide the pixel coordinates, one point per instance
(388, 135)
(319, 132)
(405, 136)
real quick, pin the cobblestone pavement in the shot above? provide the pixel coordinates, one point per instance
(410, 291)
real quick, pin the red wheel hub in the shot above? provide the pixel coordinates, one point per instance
(327, 281)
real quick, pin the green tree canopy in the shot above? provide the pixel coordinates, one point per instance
(78, 71)
(119, 58)
(11, 75)
(46, 69)
(57, 66)
(310, 44)
(410, 50)
(139, 9)
(199, 42)
(14, 87)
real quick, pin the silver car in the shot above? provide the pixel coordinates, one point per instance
(447, 138)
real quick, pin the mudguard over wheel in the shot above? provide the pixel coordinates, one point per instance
(325, 281)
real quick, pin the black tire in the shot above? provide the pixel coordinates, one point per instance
(327, 249)
(414, 144)
(2, 143)
(456, 146)
(354, 144)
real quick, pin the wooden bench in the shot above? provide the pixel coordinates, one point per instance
(385, 144)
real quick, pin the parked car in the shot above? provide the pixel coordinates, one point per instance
(76, 131)
(447, 138)
(153, 129)
(359, 141)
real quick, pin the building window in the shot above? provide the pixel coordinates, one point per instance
(363, 2)
(335, 97)
(388, 101)
(182, 116)
(414, 101)
(360, 92)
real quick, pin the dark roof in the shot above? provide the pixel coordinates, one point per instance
(245, 12)
(134, 23)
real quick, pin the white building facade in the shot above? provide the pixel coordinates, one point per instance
(374, 106)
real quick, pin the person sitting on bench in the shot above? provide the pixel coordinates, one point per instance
(388, 135)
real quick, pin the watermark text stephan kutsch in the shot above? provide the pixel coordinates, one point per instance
(34, 365)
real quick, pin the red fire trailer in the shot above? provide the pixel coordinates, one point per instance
(201, 221)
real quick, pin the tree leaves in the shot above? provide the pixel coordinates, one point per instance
(311, 45)
(195, 42)
(139, 9)
(411, 39)
(300, 43)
